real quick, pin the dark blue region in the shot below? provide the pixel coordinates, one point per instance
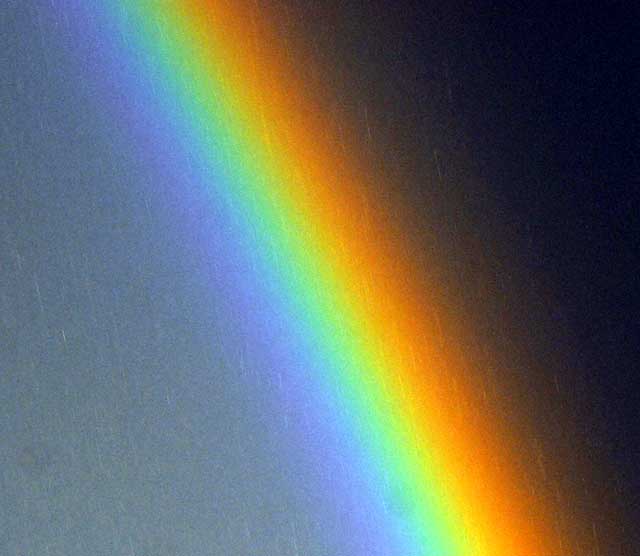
(511, 132)
(544, 100)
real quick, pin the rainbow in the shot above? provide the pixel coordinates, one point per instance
(340, 305)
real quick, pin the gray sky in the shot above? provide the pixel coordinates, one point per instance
(127, 425)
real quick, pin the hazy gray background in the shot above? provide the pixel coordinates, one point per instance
(127, 421)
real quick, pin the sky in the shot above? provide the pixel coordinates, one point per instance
(135, 417)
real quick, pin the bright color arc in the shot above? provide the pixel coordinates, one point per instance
(390, 362)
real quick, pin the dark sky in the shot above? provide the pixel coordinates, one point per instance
(551, 109)
(511, 130)
(510, 135)
(547, 99)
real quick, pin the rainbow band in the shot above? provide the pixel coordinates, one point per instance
(377, 353)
